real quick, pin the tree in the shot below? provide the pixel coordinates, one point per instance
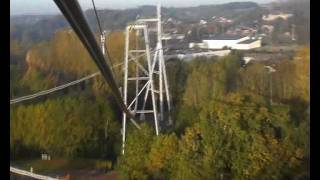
(208, 79)
(302, 72)
(162, 154)
(132, 164)
(64, 127)
(187, 164)
(248, 139)
(254, 79)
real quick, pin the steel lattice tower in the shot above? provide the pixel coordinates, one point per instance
(151, 82)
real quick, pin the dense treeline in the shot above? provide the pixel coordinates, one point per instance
(65, 126)
(235, 139)
(17, 66)
(62, 59)
(67, 112)
(225, 124)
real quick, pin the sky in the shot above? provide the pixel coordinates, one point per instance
(49, 7)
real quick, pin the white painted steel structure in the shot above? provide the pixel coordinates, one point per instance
(141, 75)
(145, 77)
(31, 174)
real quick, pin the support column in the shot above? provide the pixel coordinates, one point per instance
(125, 86)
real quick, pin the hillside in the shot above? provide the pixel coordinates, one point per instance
(38, 28)
(29, 29)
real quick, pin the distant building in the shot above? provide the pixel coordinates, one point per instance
(202, 22)
(200, 45)
(172, 36)
(241, 30)
(220, 42)
(223, 20)
(233, 42)
(187, 56)
(272, 17)
(176, 40)
(247, 44)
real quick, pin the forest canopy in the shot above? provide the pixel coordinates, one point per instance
(225, 124)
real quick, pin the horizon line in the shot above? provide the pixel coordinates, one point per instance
(136, 7)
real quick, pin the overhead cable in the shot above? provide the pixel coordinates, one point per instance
(98, 20)
(48, 91)
(45, 92)
(73, 13)
(102, 33)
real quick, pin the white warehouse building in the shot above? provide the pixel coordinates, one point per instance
(233, 42)
(247, 44)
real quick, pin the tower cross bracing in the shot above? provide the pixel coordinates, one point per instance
(151, 84)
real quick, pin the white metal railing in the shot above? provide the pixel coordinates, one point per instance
(31, 174)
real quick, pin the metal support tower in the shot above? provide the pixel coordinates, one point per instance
(146, 79)
(158, 60)
(162, 68)
(142, 76)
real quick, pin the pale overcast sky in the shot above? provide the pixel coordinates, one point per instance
(49, 7)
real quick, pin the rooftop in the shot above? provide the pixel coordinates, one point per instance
(248, 41)
(225, 37)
